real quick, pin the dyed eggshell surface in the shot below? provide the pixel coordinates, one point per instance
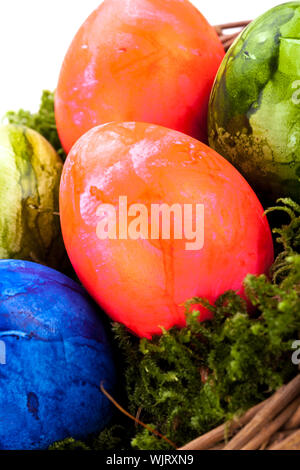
(254, 113)
(142, 283)
(56, 354)
(30, 171)
(138, 60)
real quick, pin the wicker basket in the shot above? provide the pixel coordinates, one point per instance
(273, 424)
(228, 39)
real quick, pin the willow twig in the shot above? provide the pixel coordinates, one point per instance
(210, 439)
(294, 421)
(292, 442)
(136, 420)
(235, 24)
(228, 39)
(278, 437)
(267, 431)
(278, 402)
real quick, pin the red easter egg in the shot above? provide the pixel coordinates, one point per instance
(138, 60)
(137, 274)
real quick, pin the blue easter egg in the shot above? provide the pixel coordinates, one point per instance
(54, 354)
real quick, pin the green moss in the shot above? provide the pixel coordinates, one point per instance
(111, 438)
(69, 444)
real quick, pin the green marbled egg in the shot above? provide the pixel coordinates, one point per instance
(254, 111)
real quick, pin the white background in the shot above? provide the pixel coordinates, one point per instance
(35, 35)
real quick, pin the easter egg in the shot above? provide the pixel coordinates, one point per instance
(140, 60)
(53, 355)
(118, 184)
(254, 111)
(30, 173)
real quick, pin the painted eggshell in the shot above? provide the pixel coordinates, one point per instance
(254, 112)
(143, 281)
(53, 355)
(138, 60)
(30, 171)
